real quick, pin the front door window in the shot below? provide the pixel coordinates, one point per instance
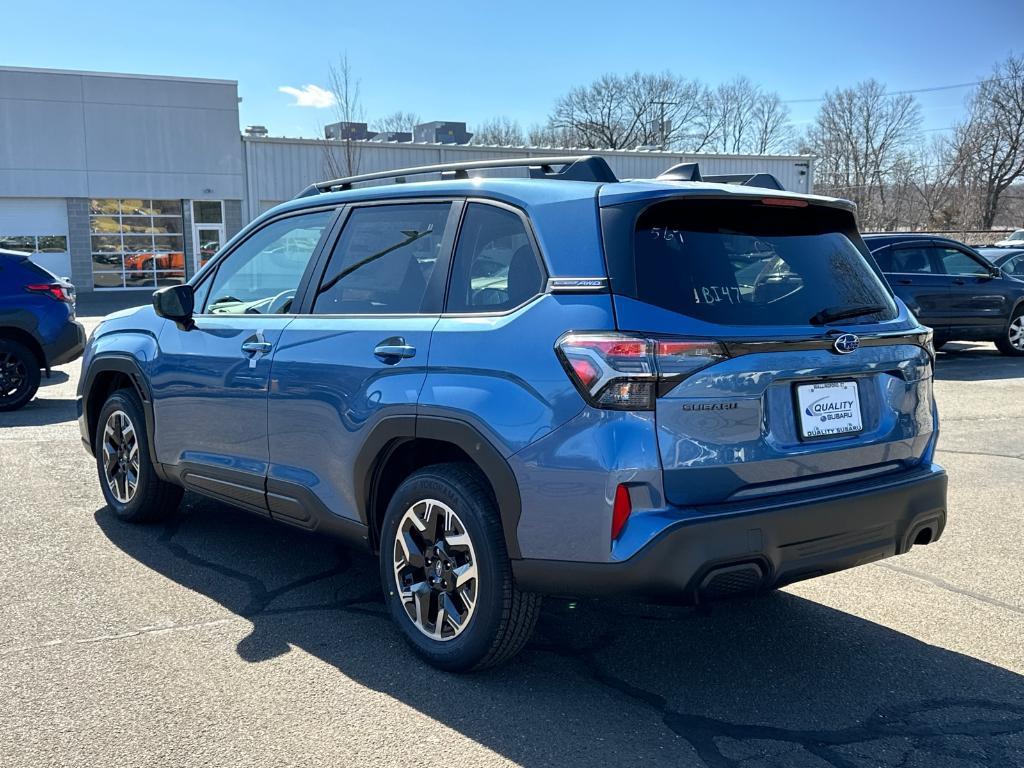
(262, 274)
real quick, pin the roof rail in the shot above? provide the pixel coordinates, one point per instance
(574, 168)
(691, 172)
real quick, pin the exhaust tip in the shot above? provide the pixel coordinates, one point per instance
(924, 536)
(731, 581)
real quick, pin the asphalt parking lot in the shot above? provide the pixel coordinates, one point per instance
(220, 639)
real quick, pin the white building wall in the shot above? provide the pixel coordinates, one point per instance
(278, 169)
(83, 134)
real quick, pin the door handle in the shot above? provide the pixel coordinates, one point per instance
(257, 344)
(904, 281)
(394, 349)
(958, 281)
(257, 347)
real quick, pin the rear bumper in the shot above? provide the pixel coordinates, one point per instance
(757, 549)
(68, 345)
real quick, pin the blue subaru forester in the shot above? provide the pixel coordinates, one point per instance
(562, 383)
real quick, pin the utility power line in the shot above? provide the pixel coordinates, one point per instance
(929, 89)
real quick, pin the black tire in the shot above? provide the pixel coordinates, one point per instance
(19, 375)
(503, 617)
(1015, 330)
(153, 499)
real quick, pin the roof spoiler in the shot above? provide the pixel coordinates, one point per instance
(691, 172)
(573, 168)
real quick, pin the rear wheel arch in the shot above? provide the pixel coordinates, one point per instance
(399, 446)
(26, 339)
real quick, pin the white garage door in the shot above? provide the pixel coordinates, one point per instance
(38, 226)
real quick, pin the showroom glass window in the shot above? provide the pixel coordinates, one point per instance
(34, 243)
(136, 243)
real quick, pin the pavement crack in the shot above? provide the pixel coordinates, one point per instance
(981, 453)
(136, 632)
(718, 741)
(949, 587)
(260, 596)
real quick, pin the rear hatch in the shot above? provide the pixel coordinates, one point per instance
(813, 375)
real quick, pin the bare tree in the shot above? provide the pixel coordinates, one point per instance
(348, 108)
(624, 112)
(499, 131)
(862, 137)
(939, 197)
(733, 105)
(989, 154)
(745, 119)
(547, 135)
(397, 122)
(772, 131)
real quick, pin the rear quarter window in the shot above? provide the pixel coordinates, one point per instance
(745, 263)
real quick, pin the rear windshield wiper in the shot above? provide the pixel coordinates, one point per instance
(831, 314)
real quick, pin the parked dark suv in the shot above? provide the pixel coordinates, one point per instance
(507, 387)
(38, 329)
(952, 289)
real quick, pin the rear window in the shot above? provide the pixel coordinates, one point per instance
(745, 263)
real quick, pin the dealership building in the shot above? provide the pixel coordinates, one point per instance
(130, 182)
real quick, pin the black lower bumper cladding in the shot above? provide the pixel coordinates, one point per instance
(755, 550)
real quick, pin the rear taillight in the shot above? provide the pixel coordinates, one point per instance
(55, 290)
(626, 371)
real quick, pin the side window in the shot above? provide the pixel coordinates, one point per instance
(956, 262)
(911, 261)
(495, 267)
(261, 275)
(1015, 266)
(883, 257)
(383, 261)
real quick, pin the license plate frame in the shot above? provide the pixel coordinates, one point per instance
(806, 394)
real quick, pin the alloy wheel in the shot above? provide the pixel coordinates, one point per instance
(13, 374)
(435, 569)
(121, 456)
(1015, 334)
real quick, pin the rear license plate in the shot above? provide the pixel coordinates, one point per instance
(828, 408)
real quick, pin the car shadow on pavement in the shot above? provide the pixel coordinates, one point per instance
(41, 411)
(775, 681)
(970, 362)
(55, 377)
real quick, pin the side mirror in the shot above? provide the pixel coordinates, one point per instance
(175, 302)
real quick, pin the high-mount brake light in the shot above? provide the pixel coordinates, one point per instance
(625, 371)
(784, 202)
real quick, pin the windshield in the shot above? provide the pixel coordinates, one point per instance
(744, 263)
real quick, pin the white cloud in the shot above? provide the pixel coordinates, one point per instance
(309, 96)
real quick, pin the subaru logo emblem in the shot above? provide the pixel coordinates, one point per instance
(846, 344)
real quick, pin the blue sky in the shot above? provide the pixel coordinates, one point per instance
(446, 63)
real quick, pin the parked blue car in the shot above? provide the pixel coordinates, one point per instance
(953, 289)
(509, 387)
(38, 329)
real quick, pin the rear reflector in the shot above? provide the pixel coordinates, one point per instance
(621, 511)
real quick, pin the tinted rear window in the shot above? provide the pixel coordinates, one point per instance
(744, 263)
